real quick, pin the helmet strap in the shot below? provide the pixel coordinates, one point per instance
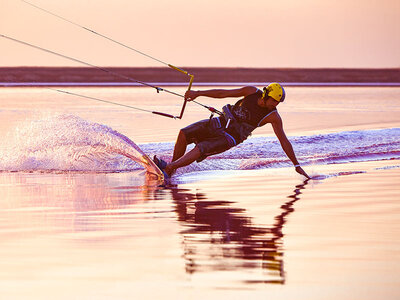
(265, 92)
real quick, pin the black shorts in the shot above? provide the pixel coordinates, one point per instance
(209, 136)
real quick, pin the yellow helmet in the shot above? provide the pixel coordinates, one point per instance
(275, 91)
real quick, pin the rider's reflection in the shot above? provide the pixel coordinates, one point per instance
(218, 236)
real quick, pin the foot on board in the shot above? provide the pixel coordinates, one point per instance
(162, 164)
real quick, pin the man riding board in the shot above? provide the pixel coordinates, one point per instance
(216, 135)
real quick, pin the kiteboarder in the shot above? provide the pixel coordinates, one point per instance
(218, 134)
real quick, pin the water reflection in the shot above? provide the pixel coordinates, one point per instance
(220, 237)
(73, 202)
(217, 235)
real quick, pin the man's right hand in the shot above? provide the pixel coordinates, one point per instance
(191, 95)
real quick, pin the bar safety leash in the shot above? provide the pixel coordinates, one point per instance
(111, 102)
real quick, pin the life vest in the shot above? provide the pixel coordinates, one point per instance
(247, 110)
(245, 116)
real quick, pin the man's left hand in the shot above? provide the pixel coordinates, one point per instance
(302, 172)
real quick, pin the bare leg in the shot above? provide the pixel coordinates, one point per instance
(180, 146)
(185, 160)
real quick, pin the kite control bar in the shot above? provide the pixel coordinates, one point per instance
(189, 87)
(184, 101)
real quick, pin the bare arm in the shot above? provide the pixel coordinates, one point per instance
(221, 93)
(277, 125)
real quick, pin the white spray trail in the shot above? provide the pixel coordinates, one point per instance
(68, 143)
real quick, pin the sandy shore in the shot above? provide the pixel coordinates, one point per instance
(71, 74)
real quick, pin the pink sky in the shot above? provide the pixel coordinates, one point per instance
(234, 33)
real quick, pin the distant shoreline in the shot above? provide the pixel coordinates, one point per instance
(196, 84)
(53, 76)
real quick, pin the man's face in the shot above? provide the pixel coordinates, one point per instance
(267, 101)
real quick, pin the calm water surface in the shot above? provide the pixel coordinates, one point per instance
(108, 231)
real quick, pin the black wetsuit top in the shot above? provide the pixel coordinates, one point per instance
(247, 110)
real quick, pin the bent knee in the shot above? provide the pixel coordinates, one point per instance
(182, 136)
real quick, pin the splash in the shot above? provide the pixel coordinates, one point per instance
(339, 147)
(68, 143)
(64, 143)
(331, 148)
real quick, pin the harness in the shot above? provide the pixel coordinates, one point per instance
(241, 130)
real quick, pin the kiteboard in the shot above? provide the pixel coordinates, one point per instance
(143, 159)
(150, 166)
